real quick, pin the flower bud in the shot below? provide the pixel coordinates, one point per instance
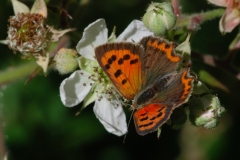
(205, 111)
(66, 61)
(159, 18)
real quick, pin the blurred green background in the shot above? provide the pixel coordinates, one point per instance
(36, 126)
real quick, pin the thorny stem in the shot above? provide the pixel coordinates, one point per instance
(64, 14)
(30, 69)
(175, 4)
(194, 20)
(16, 72)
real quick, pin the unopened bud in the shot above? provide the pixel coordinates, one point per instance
(205, 111)
(66, 61)
(159, 18)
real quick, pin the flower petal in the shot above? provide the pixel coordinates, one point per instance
(19, 7)
(75, 88)
(135, 31)
(42, 61)
(221, 3)
(94, 35)
(90, 98)
(39, 7)
(58, 33)
(111, 115)
(229, 20)
(4, 41)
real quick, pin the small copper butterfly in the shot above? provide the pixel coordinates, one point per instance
(149, 74)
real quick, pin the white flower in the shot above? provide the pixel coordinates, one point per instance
(91, 84)
(29, 34)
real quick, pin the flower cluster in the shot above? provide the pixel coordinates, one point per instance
(91, 84)
(28, 33)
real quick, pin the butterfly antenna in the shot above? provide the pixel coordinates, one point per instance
(125, 136)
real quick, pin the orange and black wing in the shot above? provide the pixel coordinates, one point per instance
(159, 58)
(122, 64)
(172, 87)
(174, 90)
(151, 117)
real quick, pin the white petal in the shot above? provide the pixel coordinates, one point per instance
(111, 115)
(222, 3)
(39, 7)
(90, 98)
(229, 20)
(42, 61)
(75, 88)
(134, 32)
(19, 7)
(94, 35)
(4, 41)
(58, 33)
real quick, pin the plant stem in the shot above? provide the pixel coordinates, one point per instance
(194, 20)
(16, 72)
(3, 150)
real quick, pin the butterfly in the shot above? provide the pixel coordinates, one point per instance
(148, 73)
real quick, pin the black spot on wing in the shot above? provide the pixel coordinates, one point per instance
(159, 114)
(146, 125)
(126, 57)
(120, 61)
(114, 57)
(134, 61)
(124, 81)
(144, 119)
(118, 73)
(107, 66)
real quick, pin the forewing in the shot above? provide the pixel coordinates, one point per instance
(159, 59)
(151, 117)
(122, 64)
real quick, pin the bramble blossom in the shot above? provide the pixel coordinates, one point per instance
(91, 84)
(28, 33)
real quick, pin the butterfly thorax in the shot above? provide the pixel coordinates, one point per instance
(154, 93)
(145, 97)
